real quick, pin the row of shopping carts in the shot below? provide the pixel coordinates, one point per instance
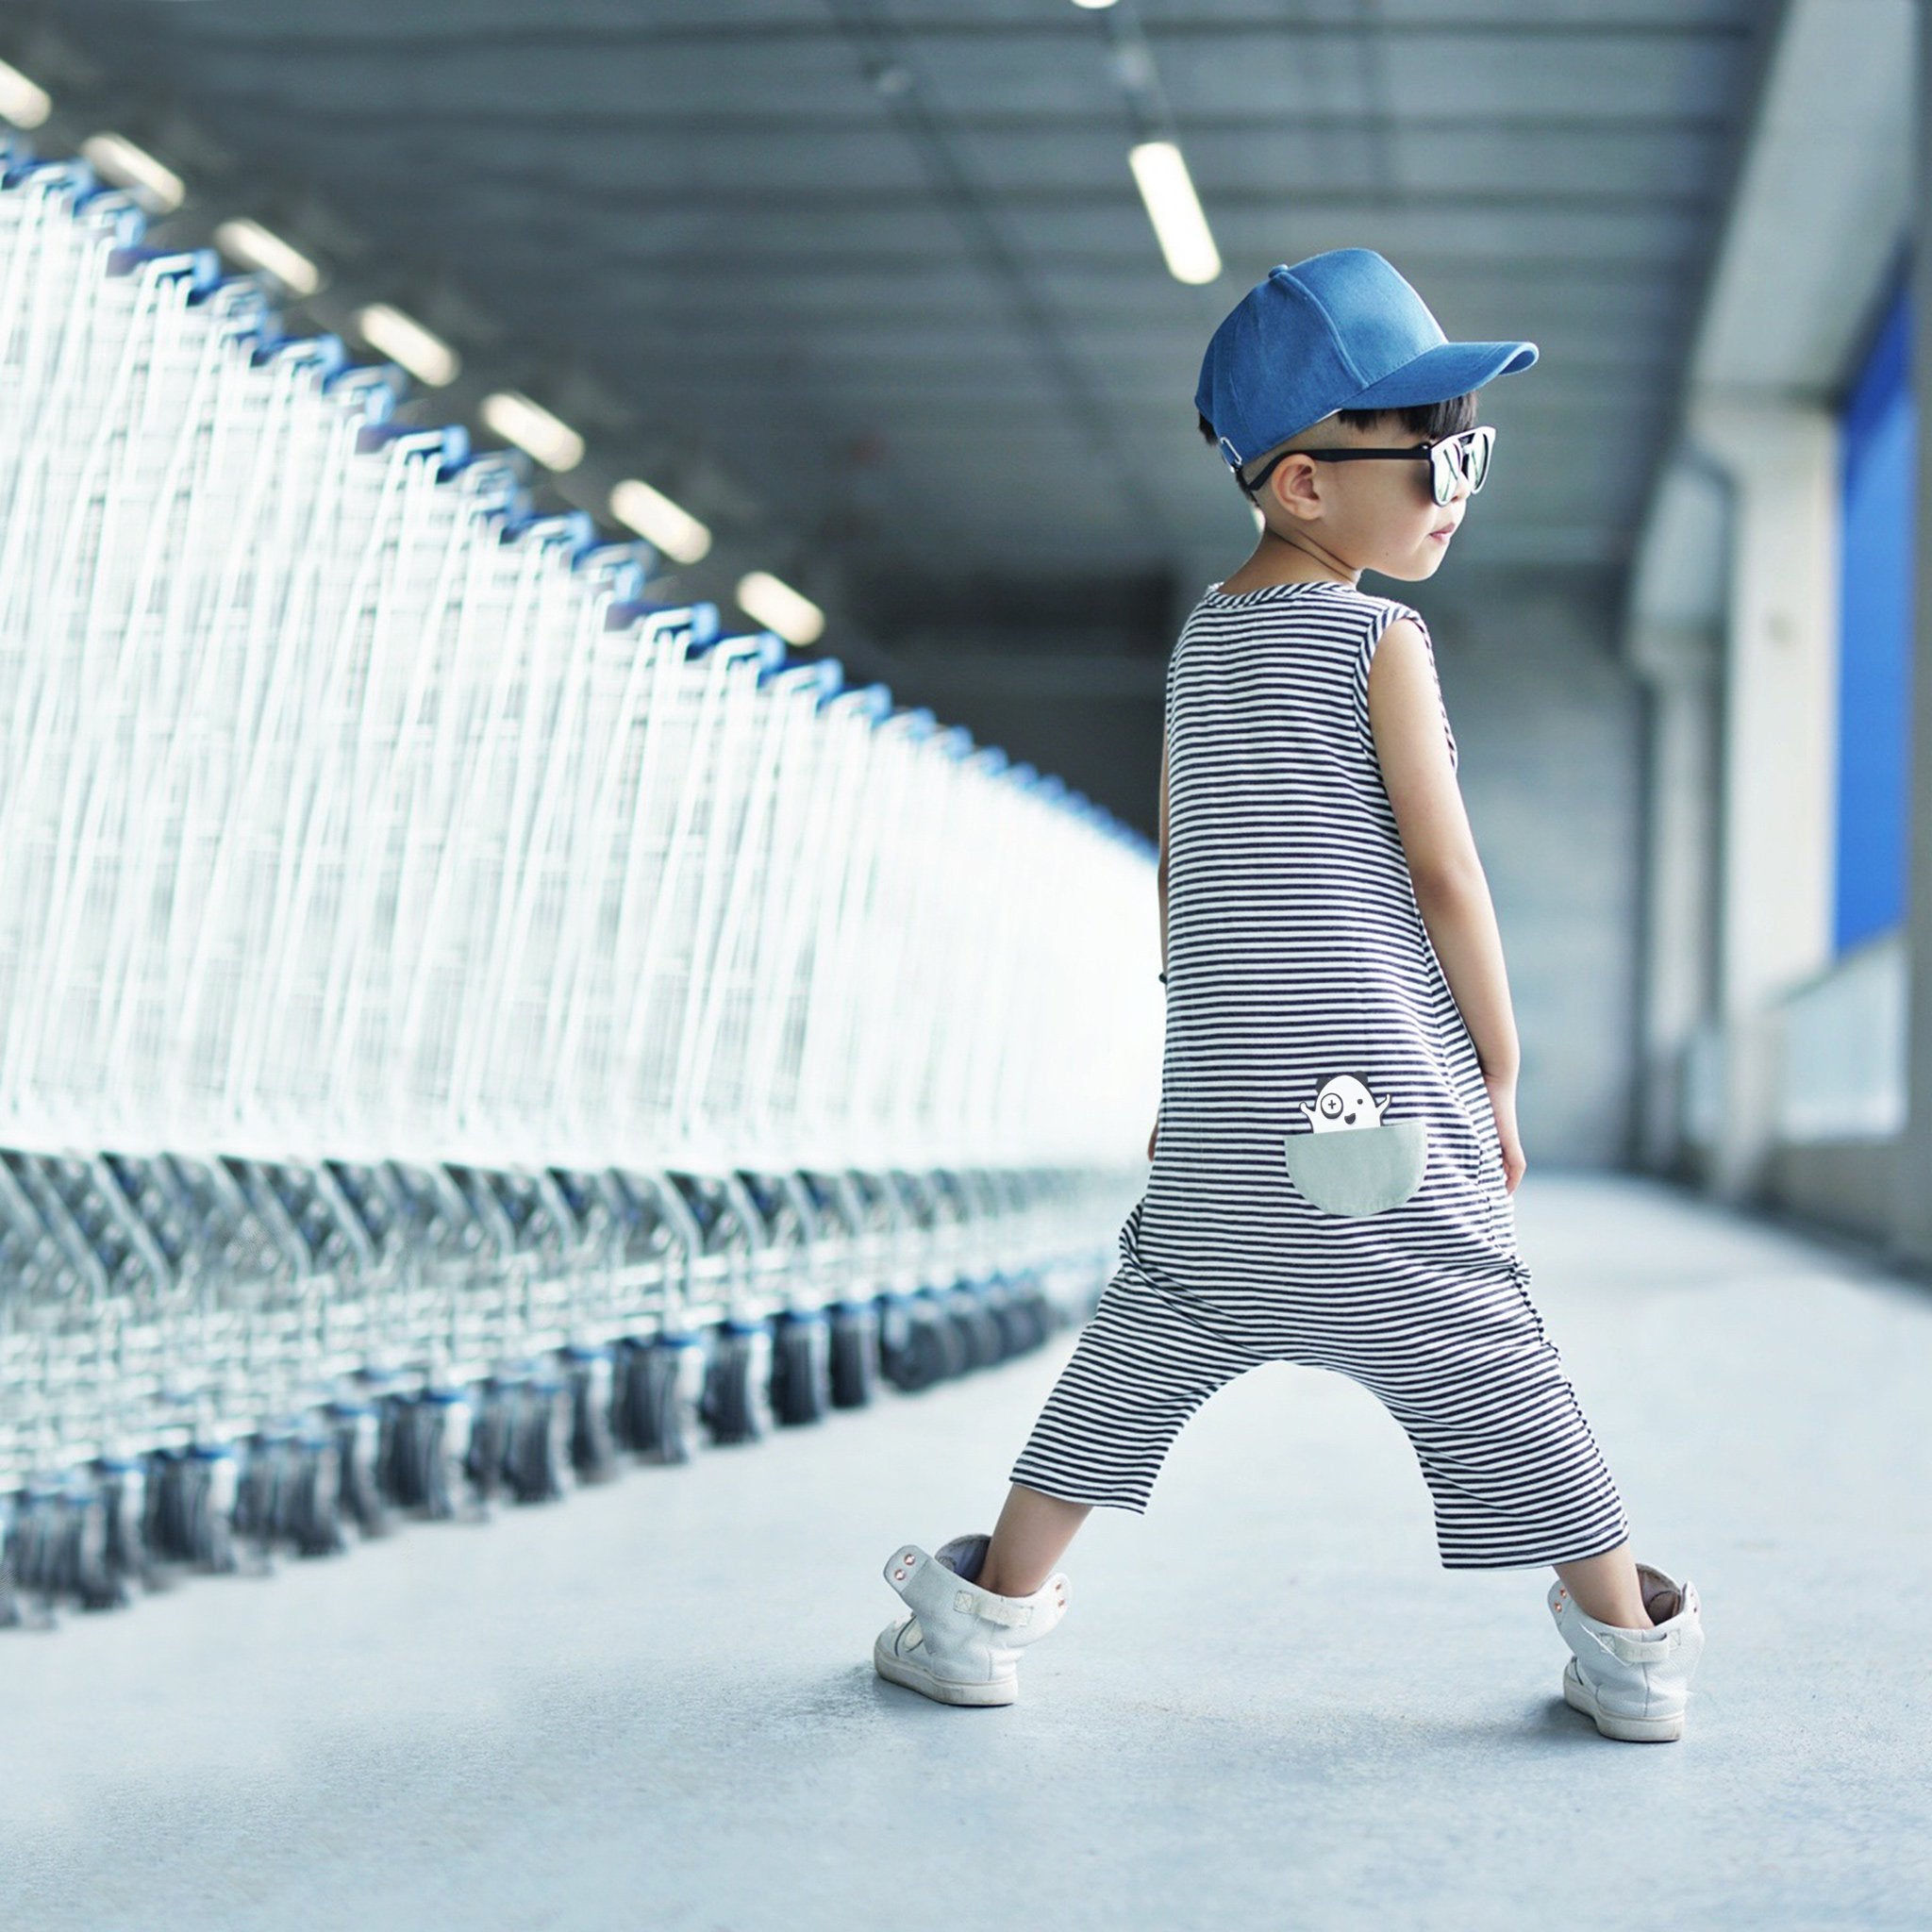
(460, 1018)
(209, 1363)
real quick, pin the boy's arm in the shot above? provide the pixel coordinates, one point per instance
(1160, 882)
(1160, 871)
(1405, 719)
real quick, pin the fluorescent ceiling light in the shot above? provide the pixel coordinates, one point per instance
(661, 523)
(780, 608)
(532, 427)
(406, 343)
(1175, 210)
(21, 101)
(251, 245)
(116, 159)
(1094, 4)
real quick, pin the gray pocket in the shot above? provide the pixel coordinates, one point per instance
(1359, 1170)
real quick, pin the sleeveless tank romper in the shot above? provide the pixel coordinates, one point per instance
(1328, 1185)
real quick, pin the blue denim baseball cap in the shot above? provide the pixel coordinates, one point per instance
(1342, 330)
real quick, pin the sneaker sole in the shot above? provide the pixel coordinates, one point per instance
(1630, 1730)
(941, 1689)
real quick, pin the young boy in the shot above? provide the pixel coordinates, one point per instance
(1337, 1144)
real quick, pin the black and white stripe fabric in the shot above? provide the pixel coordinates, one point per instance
(1298, 962)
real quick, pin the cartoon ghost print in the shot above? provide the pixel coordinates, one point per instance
(1343, 1101)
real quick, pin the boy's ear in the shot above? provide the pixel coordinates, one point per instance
(1282, 472)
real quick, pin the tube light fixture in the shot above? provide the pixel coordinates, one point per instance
(660, 521)
(253, 247)
(1175, 210)
(116, 159)
(21, 101)
(780, 608)
(532, 427)
(408, 343)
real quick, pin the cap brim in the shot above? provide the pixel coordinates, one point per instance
(1450, 369)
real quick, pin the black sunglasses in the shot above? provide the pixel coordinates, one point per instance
(1450, 460)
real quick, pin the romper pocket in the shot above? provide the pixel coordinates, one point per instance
(1359, 1170)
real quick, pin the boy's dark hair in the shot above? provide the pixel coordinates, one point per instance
(1419, 420)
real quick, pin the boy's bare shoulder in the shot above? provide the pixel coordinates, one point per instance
(1402, 640)
(1402, 673)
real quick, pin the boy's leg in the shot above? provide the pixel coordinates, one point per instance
(1141, 1368)
(1512, 1466)
(1028, 1540)
(1606, 1588)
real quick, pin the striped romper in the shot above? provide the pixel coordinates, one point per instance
(1328, 1184)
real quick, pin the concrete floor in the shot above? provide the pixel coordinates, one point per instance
(654, 1706)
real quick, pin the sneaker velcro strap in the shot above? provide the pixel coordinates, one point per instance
(995, 1609)
(1638, 1650)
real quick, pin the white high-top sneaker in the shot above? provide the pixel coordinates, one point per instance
(961, 1644)
(1635, 1683)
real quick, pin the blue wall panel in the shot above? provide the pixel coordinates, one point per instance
(1875, 610)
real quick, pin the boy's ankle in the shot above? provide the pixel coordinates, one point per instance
(996, 1584)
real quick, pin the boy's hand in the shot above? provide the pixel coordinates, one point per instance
(1503, 1099)
(1153, 1137)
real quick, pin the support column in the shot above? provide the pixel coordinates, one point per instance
(1681, 668)
(1777, 798)
(1911, 1235)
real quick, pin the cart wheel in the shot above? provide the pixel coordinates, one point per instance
(433, 1450)
(487, 1461)
(254, 1493)
(630, 1400)
(26, 1547)
(316, 1498)
(162, 1522)
(123, 1482)
(592, 1393)
(82, 1570)
(932, 1349)
(400, 1453)
(1002, 1305)
(1029, 1304)
(360, 1442)
(395, 1447)
(11, 1615)
(39, 1546)
(166, 1525)
(211, 1482)
(956, 1346)
(539, 1454)
(973, 1317)
(895, 1337)
(855, 1354)
(802, 1367)
(663, 1394)
(737, 1396)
